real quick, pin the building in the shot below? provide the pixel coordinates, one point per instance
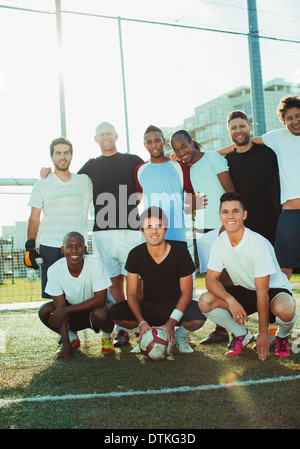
(208, 124)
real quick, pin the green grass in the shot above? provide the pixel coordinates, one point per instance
(28, 368)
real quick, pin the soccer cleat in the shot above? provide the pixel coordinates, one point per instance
(183, 344)
(282, 347)
(217, 336)
(238, 343)
(121, 338)
(74, 342)
(107, 345)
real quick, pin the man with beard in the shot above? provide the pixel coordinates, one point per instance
(64, 198)
(254, 172)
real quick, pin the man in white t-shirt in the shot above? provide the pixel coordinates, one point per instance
(286, 145)
(78, 284)
(259, 284)
(64, 199)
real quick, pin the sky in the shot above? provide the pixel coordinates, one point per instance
(168, 70)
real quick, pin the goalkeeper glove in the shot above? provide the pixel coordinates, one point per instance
(32, 258)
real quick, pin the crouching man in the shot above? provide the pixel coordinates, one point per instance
(260, 285)
(166, 270)
(78, 284)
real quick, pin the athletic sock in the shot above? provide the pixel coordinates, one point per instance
(136, 331)
(285, 328)
(181, 331)
(118, 328)
(224, 319)
(72, 335)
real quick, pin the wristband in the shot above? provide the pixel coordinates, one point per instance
(142, 322)
(176, 315)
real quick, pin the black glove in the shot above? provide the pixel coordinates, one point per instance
(32, 258)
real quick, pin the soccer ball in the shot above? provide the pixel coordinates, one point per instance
(154, 344)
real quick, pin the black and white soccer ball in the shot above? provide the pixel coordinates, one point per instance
(154, 344)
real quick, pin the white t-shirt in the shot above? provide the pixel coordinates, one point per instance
(253, 257)
(204, 179)
(65, 207)
(93, 278)
(287, 149)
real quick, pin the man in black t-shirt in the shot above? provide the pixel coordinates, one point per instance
(116, 229)
(166, 270)
(254, 171)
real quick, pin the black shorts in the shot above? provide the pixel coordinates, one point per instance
(155, 313)
(248, 299)
(287, 241)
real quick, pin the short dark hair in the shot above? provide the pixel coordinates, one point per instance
(232, 196)
(60, 140)
(73, 234)
(183, 132)
(153, 211)
(155, 129)
(237, 114)
(285, 104)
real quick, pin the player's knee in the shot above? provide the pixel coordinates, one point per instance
(100, 315)
(44, 312)
(284, 308)
(205, 302)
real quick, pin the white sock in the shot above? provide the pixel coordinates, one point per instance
(181, 331)
(224, 318)
(118, 328)
(72, 335)
(285, 328)
(106, 334)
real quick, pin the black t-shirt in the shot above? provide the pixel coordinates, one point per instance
(255, 176)
(161, 282)
(113, 184)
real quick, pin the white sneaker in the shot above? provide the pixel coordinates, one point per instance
(183, 343)
(136, 350)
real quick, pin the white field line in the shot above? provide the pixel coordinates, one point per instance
(117, 394)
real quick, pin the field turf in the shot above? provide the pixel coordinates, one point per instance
(202, 390)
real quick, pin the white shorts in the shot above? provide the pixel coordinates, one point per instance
(113, 247)
(204, 244)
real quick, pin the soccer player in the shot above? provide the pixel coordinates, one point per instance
(254, 171)
(258, 283)
(166, 270)
(78, 284)
(64, 198)
(163, 183)
(209, 174)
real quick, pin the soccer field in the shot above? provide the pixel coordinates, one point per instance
(202, 390)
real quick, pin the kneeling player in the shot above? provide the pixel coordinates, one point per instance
(78, 284)
(260, 286)
(166, 270)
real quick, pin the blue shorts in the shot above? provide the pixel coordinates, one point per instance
(287, 240)
(49, 255)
